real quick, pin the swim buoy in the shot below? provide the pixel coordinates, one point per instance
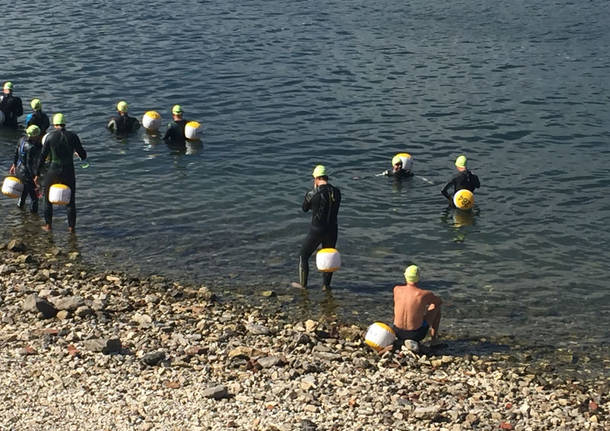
(379, 336)
(12, 187)
(328, 260)
(151, 121)
(192, 131)
(60, 194)
(463, 199)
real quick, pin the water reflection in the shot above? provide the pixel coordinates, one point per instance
(458, 220)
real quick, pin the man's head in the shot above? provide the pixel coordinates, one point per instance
(36, 104)
(8, 87)
(460, 163)
(58, 120)
(412, 274)
(177, 111)
(396, 163)
(122, 107)
(319, 175)
(33, 131)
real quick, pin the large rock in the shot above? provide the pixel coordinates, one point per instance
(34, 303)
(103, 345)
(16, 246)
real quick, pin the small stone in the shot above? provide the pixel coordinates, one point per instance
(83, 311)
(153, 358)
(113, 279)
(70, 303)
(411, 346)
(269, 361)
(268, 293)
(62, 315)
(307, 383)
(257, 329)
(310, 325)
(144, 320)
(215, 392)
(46, 308)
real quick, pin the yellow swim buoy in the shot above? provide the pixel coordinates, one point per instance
(192, 131)
(12, 187)
(60, 194)
(151, 121)
(328, 260)
(379, 336)
(463, 199)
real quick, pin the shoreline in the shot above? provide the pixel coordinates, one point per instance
(82, 348)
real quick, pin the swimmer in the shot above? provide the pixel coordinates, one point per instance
(174, 135)
(25, 165)
(323, 201)
(37, 117)
(122, 124)
(463, 180)
(402, 165)
(10, 105)
(60, 145)
(416, 311)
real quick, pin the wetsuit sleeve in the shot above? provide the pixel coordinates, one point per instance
(307, 200)
(477, 184)
(43, 156)
(444, 190)
(135, 124)
(78, 147)
(19, 107)
(28, 119)
(16, 159)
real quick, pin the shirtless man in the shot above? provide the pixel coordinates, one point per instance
(415, 310)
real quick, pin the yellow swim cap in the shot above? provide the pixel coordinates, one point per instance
(460, 162)
(177, 109)
(412, 274)
(36, 104)
(33, 130)
(58, 119)
(8, 85)
(121, 106)
(319, 171)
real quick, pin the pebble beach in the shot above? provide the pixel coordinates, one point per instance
(102, 350)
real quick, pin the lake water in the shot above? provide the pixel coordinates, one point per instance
(521, 88)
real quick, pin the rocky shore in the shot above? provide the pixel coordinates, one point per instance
(82, 349)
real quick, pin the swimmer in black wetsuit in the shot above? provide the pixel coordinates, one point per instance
(25, 165)
(10, 105)
(402, 163)
(463, 180)
(122, 124)
(37, 117)
(324, 201)
(60, 145)
(174, 135)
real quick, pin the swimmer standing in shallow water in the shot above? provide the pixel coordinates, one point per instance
(463, 180)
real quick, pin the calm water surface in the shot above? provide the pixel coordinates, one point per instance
(522, 88)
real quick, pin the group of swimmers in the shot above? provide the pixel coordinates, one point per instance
(44, 158)
(416, 311)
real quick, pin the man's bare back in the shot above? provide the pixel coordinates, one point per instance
(413, 306)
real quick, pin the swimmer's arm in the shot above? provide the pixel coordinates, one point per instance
(432, 301)
(307, 200)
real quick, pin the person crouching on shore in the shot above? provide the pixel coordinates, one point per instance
(415, 310)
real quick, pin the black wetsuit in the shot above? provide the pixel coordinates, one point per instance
(401, 173)
(123, 124)
(12, 108)
(324, 203)
(39, 119)
(60, 145)
(174, 135)
(26, 160)
(463, 180)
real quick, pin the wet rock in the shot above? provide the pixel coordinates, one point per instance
(256, 329)
(16, 246)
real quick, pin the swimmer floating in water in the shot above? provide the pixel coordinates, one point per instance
(402, 165)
